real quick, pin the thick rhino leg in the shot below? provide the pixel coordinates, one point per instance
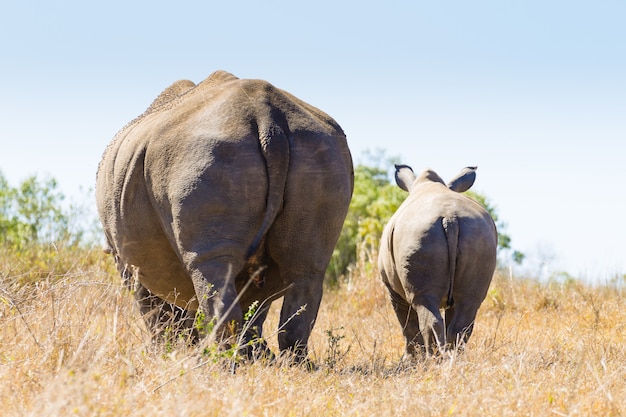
(420, 318)
(304, 234)
(219, 313)
(258, 286)
(254, 346)
(431, 323)
(407, 317)
(460, 321)
(298, 315)
(213, 224)
(471, 285)
(165, 321)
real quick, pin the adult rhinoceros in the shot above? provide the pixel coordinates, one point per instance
(220, 182)
(437, 251)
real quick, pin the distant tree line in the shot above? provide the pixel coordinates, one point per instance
(34, 216)
(33, 213)
(41, 234)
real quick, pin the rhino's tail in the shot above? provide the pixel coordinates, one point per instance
(275, 150)
(451, 228)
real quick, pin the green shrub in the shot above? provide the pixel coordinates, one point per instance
(40, 235)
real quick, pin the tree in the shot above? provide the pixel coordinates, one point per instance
(41, 236)
(374, 201)
(33, 213)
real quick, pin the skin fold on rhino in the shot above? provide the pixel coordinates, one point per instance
(224, 194)
(438, 251)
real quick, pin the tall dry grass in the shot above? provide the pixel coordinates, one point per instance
(74, 344)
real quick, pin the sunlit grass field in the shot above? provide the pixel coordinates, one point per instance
(73, 343)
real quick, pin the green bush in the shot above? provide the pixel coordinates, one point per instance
(374, 201)
(40, 235)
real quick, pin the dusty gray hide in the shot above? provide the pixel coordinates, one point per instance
(438, 251)
(227, 185)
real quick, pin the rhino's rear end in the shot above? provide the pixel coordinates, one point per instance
(230, 164)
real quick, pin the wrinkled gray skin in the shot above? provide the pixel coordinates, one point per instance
(438, 251)
(214, 182)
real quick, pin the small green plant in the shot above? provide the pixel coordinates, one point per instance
(229, 350)
(252, 310)
(335, 353)
(202, 325)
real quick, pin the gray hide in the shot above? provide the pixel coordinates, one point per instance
(437, 251)
(227, 185)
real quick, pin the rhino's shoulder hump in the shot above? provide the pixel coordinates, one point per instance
(171, 93)
(219, 77)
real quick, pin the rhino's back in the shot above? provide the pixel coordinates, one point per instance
(415, 233)
(425, 209)
(216, 122)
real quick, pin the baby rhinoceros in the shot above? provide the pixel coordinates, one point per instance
(438, 251)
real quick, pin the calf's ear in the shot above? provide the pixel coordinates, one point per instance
(463, 180)
(405, 177)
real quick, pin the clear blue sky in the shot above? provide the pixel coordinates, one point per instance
(533, 92)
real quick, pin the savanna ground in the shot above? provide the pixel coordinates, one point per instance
(73, 343)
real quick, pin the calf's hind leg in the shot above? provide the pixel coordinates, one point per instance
(407, 317)
(430, 323)
(460, 322)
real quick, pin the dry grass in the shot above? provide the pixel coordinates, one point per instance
(75, 345)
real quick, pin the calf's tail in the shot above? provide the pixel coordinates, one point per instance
(451, 229)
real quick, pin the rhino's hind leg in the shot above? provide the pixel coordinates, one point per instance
(460, 323)
(252, 345)
(407, 317)
(166, 322)
(431, 325)
(297, 318)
